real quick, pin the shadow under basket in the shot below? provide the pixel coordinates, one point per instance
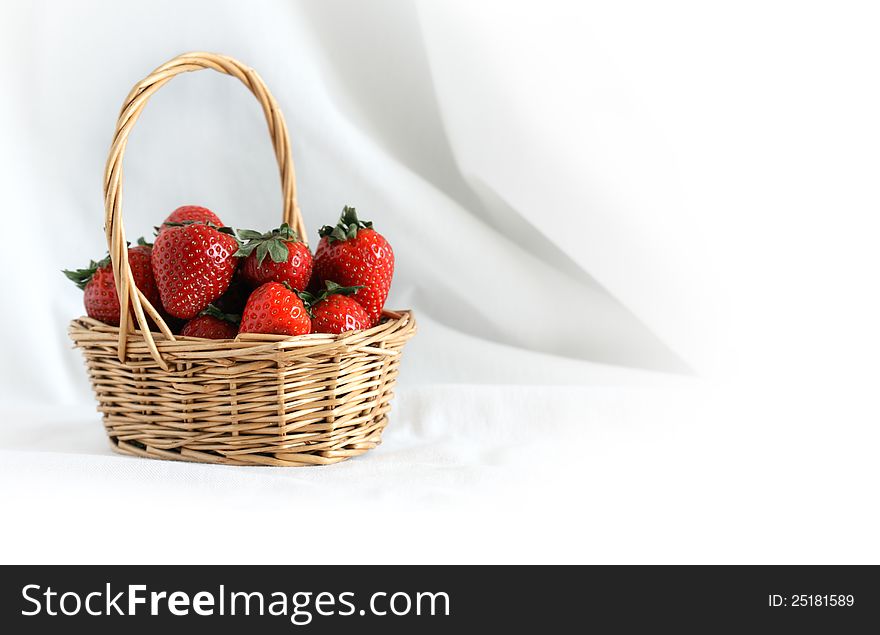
(256, 400)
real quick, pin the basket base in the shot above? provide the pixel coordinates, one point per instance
(289, 458)
(278, 401)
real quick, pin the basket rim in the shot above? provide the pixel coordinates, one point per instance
(398, 325)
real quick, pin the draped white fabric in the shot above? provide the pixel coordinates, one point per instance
(589, 204)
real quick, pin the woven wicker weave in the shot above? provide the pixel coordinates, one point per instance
(258, 399)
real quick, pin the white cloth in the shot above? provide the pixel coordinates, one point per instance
(578, 195)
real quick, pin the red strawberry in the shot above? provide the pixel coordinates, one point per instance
(339, 313)
(192, 214)
(275, 308)
(354, 254)
(193, 265)
(99, 287)
(289, 261)
(333, 311)
(212, 324)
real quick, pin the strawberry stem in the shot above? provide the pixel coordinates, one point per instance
(346, 228)
(331, 288)
(214, 312)
(272, 243)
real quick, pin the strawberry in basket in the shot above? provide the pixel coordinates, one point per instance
(354, 254)
(212, 324)
(275, 308)
(193, 264)
(289, 259)
(99, 287)
(192, 214)
(335, 311)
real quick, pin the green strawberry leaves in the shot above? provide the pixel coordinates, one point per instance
(331, 288)
(81, 277)
(214, 312)
(346, 228)
(184, 223)
(277, 250)
(337, 289)
(272, 244)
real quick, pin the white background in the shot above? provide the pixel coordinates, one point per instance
(640, 240)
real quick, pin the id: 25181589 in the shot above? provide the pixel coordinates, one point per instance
(810, 600)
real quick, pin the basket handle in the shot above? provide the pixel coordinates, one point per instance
(113, 226)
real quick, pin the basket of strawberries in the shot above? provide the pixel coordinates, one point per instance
(238, 346)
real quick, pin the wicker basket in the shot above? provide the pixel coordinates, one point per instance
(255, 400)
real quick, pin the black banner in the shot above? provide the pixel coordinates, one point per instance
(317, 599)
